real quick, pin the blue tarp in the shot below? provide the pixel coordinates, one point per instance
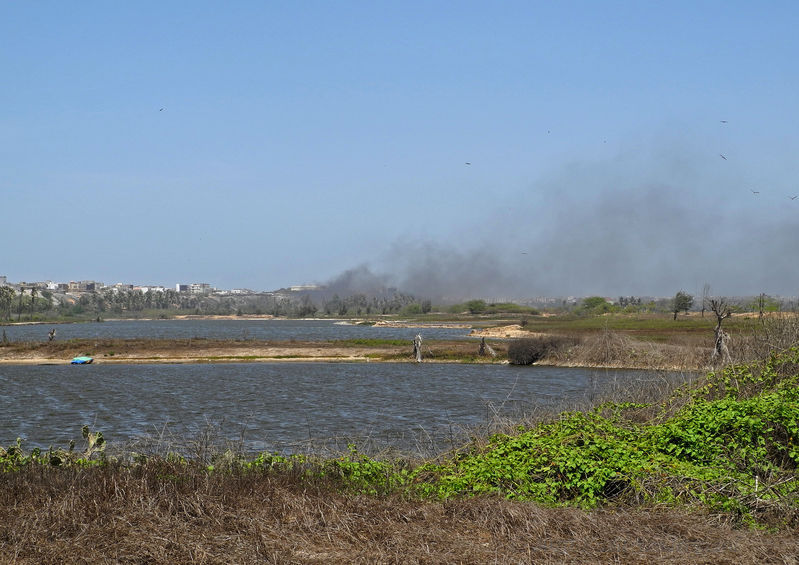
(82, 360)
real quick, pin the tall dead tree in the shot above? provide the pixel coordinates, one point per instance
(417, 348)
(705, 297)
(722, 310)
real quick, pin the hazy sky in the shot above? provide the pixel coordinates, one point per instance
(503, 149)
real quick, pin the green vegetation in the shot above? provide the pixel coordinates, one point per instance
(681, 302)
(731, 444)
(481, 307)
(14, 458)
(596, 305)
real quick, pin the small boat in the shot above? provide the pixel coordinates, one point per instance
(82, 360)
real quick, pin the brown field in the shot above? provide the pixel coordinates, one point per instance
(165, 513)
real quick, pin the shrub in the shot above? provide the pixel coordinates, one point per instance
(528, 350)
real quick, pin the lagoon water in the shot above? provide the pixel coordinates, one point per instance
(284, 407)
(300, 330)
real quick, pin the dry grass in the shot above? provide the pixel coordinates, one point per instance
(613, 349)
(167, 513)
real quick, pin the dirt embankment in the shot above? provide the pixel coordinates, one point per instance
(503, 332)
(604, 349)
(190, 351)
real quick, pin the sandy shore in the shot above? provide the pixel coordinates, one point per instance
(226, 351)
(199, 353)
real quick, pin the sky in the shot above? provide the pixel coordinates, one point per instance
(471, 149)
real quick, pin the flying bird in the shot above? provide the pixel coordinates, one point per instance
(161, 110)
(793, 197)
(755, 191)
(723, 121)
(468, 163)
(722, 156)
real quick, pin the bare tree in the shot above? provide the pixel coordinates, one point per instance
(705, 297)
(485, 349)
(417, 348)
(722, 310)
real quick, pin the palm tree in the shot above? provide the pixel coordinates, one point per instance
(33, 300)
(6, 298)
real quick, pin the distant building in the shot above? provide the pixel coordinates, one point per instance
(83, 286)
(194, 288)
(200, 288)
(121, 286)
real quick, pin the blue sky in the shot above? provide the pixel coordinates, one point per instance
(266, 144)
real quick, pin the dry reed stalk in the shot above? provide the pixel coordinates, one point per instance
(165, 513)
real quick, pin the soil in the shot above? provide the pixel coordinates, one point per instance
(502, 332)
(190, 351)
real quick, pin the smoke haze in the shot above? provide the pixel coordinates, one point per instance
(631, 226)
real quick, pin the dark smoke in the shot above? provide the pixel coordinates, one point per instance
(360, 280)
(612, 229)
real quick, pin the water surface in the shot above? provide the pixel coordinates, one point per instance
(283, 406)
(300, 330)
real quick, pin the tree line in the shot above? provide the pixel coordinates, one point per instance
(28, 303)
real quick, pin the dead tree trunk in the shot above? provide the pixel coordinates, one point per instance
(417, 348)
(721, 353)
(485, 349)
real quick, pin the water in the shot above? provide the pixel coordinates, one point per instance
(281, 407)
(300, 330)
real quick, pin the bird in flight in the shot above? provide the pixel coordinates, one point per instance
(161, 110)
(468, 163)
(755, 191)
(723, 121)
(793, 197)
(722, 156)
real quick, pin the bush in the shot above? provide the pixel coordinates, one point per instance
(732, 448)
(528, 350)
(476, 306)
